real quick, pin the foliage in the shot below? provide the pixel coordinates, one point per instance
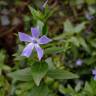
(73, 41)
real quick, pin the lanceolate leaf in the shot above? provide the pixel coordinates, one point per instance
(54, 50)
(21, 75)
(84, 44)
(45, 29)
(61, 74)
(36, 14)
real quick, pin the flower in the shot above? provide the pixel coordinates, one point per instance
(34, 42)
(94, 73)
(79, 62)
(89, 16)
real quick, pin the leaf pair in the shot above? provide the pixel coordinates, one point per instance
(38, 72)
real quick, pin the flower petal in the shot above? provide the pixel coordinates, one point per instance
(39, 51)
(28, 50)
(35, 32)
(44, 40)
(24, 37)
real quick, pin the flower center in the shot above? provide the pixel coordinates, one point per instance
(34, 41)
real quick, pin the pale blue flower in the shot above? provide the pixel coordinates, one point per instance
(79, 62)
(34, 42)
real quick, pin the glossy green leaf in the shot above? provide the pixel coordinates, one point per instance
(39, 70)
(61, 74)
(45, 29)
(21, 75)
(53, 50)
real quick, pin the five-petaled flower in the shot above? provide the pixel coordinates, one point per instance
(34, 42)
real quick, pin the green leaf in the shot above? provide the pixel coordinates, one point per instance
(39, 70)
(50, 63)
(21, 75)
(39, 91)
(78, 86)
(33, 12)
(61, 74)
(26, 18)
(2, 57)
(83, 44)
(88, 88)
(48, 12)
(92, 10)
(36, 14)
(22, 88)
(40, 25)
(75, 41)
(79, 27)
(68, 90)
(60, 37)
(45, 29)
(68, 27)
(53, 50)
